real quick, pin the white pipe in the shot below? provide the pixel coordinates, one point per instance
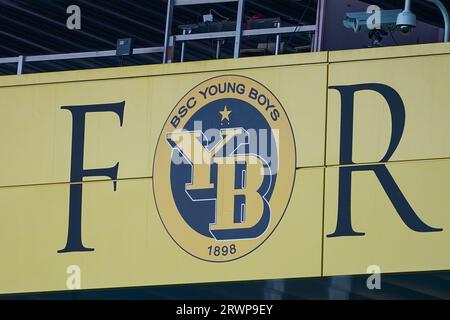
(444, 12)
(407, 5)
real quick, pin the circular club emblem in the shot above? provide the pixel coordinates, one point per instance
(224, 168)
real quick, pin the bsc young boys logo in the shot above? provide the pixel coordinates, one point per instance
(224, 168)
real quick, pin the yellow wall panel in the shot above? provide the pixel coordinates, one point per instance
(39, 150)
(165, 69)
(36, 134)
(388, 242)
(132, 248)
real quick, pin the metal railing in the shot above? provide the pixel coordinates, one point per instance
(21, 60)
(170, 40)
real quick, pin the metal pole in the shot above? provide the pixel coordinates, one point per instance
(317, 45)
(183, 44)
(218, 48)
(237, 40)
(407, 5)
(168, 29)
(20, 63)
(444, 12)
(277, 41)
(171, 49)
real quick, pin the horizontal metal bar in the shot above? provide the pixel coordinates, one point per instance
(281, 30)
(78, 55)
(253, 32)
(191, 2)
(9, 60)
(68, 56)
(148, 50)
(205, 35)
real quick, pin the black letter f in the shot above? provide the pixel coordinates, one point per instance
(77, 171)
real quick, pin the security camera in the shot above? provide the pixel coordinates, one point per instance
(358, 21)
(406, 21)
